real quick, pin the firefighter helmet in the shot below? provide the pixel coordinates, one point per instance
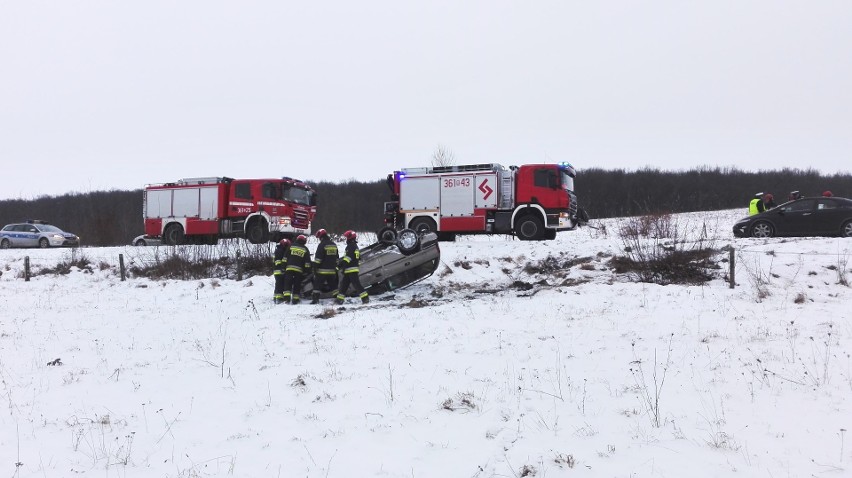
(284, 242)
(321, 233)
(350, 235)
(301, 239)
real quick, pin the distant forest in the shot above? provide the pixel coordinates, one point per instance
(108, 218)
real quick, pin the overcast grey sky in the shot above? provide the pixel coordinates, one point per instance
(117, 94)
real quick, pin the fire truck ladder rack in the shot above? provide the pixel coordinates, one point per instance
(198, 181)
(467, 167)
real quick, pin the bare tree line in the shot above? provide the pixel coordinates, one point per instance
(106, 218)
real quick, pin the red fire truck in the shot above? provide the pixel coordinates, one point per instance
(532, 201)
(203, 210)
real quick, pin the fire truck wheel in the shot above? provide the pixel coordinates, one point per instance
(529, 228)
(423, 224)
(257, 232)
(387, 235)
(173, 235)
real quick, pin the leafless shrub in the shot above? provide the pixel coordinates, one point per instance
(528, 470)
(551, 264)
(64, 267)
(202, 261)
(662, 251)
(841, 269)
(461, 402)
(299, 382)
(651, 393)
(562, 459)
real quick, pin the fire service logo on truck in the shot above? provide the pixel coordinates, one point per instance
(486, 189)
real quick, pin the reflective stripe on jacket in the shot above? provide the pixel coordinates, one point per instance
(299, 258)
(351, 258)
(325, 260)
(279, 260)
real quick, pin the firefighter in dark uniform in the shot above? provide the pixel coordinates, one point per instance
(279, 263)
(325, 267)
(349, 264)
(298, 262)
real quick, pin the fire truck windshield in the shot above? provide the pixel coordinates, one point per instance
(296, 194)
(567, 181)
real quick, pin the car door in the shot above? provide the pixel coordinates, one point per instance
(31, 235)
(795, 218)
(19, 236)
(828, 216)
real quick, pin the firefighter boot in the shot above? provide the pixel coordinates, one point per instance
(365, 299)
(315, 298)
(339, 299)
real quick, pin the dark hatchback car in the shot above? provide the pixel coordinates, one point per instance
(394, 262)
(821, 216)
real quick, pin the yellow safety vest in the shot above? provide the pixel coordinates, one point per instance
(752, 206)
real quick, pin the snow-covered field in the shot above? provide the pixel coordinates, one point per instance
(463, 375)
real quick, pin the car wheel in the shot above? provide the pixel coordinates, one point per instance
(408, 241)
(529, 228)
(846, 230)
(139, 243)
(762, 229)
(423, 224)
(173, 235)
(387, 235)
(5, 244)
(257, 232)
(43, 243)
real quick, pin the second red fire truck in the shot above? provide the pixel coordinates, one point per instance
(203, 210)
(532, 201)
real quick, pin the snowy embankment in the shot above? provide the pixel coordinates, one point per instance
(487, 368)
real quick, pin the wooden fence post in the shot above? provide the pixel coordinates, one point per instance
(27, 268)
(239, 267)
(121, 265)
(732, 274)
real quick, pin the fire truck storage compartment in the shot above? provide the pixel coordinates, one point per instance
(202, 203)
(419, 194)
(158, 203)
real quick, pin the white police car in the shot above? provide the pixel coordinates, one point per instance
(34, 233)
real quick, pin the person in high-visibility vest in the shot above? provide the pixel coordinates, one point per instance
(761, 202)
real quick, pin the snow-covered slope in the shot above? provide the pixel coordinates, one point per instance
(487, 368)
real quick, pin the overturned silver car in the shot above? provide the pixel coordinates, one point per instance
(396, 261)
